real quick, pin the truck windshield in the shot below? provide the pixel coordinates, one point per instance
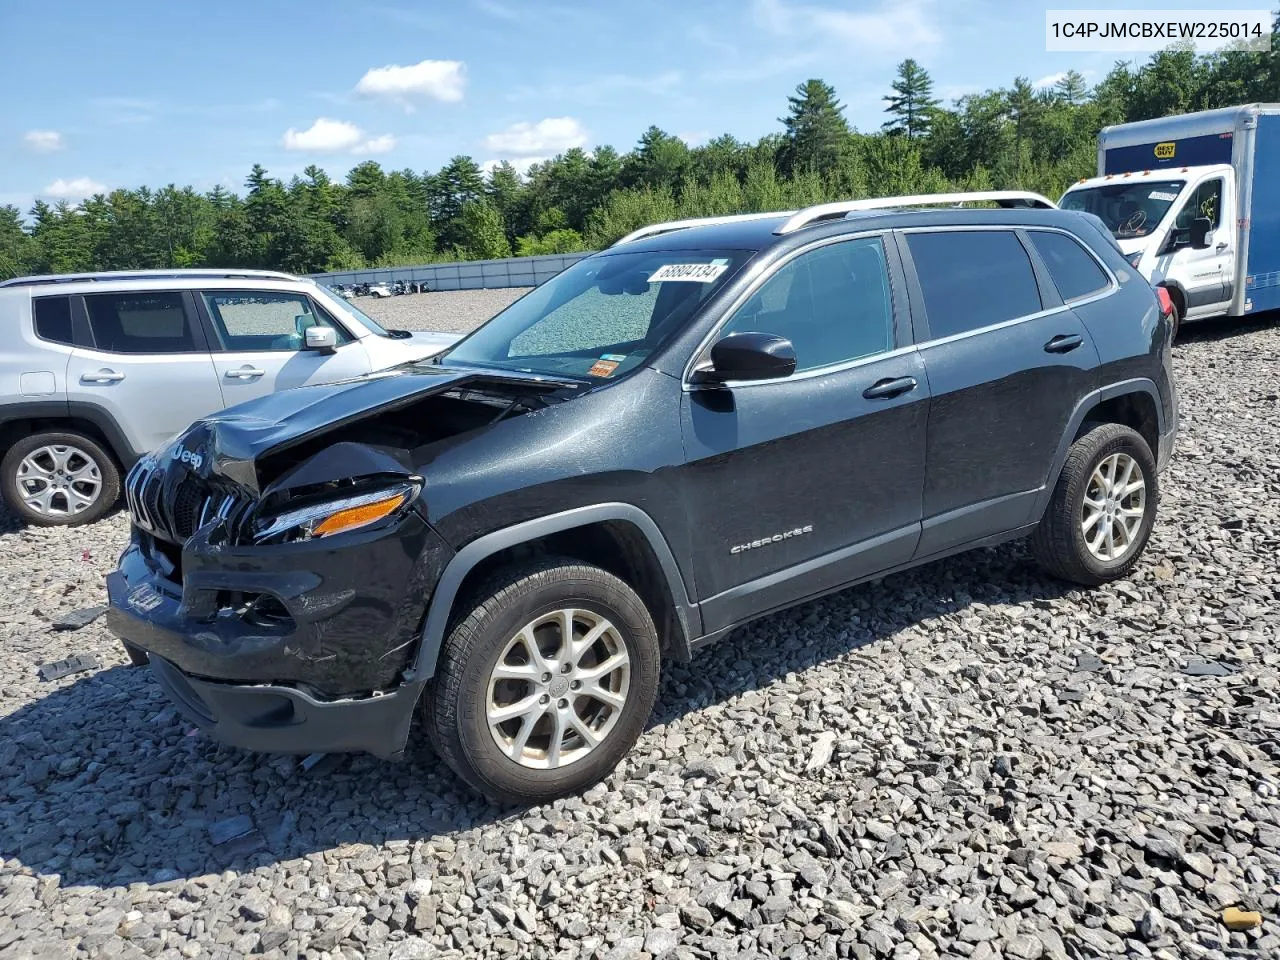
(1130, 209)
(601, 317)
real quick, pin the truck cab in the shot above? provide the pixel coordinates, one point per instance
(1174, 226)
(1194, 203)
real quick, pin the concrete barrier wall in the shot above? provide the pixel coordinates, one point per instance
(471, 275)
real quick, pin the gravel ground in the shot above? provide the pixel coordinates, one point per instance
(447, 311)
(967, 760)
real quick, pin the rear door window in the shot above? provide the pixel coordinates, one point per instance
(155, 322)
(973, 279)
(1075, 273)
(53, 319)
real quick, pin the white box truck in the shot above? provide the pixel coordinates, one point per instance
(1194, 202)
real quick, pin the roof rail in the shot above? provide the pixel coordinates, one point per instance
(656, 228)
(104, 275)
(837, 210)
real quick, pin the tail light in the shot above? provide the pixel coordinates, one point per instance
(1166, 301)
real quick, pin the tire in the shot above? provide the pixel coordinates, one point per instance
(23, 469)
(457, 705)
(1060, 543)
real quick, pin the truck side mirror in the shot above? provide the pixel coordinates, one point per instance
(1201, 227)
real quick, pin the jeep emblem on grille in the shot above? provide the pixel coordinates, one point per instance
(186, 456)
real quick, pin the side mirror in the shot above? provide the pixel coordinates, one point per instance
(321, 339)
(748, 356)
(1200, 230)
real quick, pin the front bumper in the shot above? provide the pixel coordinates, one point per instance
(275, 719)
(328, 672)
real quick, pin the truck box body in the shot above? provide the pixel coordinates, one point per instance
(1239, 272)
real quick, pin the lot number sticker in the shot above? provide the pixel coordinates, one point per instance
(689, 272)
(1161, 195)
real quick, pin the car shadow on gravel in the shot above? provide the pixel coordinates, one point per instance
(105, 785)
(1225, 328)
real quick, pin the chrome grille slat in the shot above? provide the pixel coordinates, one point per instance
(156, 502)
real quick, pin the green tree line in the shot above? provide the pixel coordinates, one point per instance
(1020, 137)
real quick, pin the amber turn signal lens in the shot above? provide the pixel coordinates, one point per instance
(353, 517)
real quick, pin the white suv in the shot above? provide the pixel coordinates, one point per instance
(98, 369)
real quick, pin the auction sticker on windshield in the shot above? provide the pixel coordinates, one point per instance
(606, 365)
(1162, 195)
(689, 272)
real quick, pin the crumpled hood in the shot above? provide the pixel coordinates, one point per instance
(229, 442)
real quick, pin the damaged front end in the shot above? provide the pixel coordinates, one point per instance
(281, 559)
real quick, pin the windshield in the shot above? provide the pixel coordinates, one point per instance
(603, 316)
(1130, 209)
(365, 319)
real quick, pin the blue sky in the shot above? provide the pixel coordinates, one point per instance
(137, 92)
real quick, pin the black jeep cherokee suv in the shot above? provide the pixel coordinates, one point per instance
(669, 439)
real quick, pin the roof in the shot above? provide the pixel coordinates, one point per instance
(760, 234)
(123, 276)
(1200, 124)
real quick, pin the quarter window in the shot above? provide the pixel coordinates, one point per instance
(973, 278)
(53, 319)
(141, 323)
(252, 321)
(1074, 272)
(832, 303)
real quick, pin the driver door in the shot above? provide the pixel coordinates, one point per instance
(1205, 274)
(801, 484)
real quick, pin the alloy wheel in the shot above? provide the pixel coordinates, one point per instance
(59, 480)
(558, 688)
(1115, 503)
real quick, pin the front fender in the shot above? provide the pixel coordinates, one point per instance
(466, 559)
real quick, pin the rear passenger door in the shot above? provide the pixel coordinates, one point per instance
(259, 342)
(1007, 362)
(149, 366)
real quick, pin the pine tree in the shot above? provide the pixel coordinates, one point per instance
(816, 132)
(1071, 88)
(911, 104)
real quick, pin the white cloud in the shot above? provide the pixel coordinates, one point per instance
(890, 29)
(442, 80)
(335, 136)
(76, 188)
(694, 137)
(43, 141)
(550, 136)
(383, 144)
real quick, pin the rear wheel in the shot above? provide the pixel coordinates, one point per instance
(1103, 508)
(545, 683)
(59, 479)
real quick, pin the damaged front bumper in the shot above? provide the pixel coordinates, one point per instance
(301, 648)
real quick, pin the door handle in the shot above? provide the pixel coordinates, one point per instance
(102, 376)
(1064, 343)
(244, 373)
(1220, 247)
(887, 389)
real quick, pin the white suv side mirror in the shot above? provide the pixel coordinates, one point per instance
(322, 339)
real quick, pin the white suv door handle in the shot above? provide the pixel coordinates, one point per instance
(1222, 246)
(102, 376)
(244, 373)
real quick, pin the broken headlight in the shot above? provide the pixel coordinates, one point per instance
(325, 516)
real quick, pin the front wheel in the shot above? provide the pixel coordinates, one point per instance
(1103, 508)
(59, 479)
(545, 683)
